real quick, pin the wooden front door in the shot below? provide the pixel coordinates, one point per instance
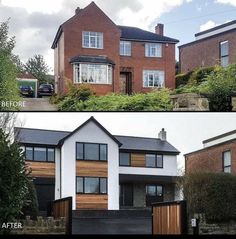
(126, 82)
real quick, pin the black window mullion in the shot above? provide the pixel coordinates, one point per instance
(99, 152)
(33, 153)
(46, 154)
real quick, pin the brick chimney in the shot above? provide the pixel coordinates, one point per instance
(77, 10)
(159, 29)
(162, 135)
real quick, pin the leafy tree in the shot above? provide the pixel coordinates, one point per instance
(8, 71)
(38, 68)
(16, 189)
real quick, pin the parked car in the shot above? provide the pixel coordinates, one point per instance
(45, 90)
(27, 91)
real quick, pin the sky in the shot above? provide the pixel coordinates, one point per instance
(185, 131)
(35, 23)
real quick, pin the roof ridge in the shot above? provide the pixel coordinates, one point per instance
(136, 137)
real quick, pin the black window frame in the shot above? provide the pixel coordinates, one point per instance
(223, 161)
(99, 181)
(223, 56)
(156, 157)
(129, 159)
(155, 185)
(39, 146)
(99, 152)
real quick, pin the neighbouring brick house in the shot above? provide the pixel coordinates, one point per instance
(215, 46)
(218, 155)
(90, 48)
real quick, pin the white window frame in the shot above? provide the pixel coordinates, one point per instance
(77, 69)
(152, 73)
(223, 57)
(227, 167)
(150, 48)
(125, 48)
(98, 36)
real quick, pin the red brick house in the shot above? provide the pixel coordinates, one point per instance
(218, 155)
(215, 46)
(90, 48)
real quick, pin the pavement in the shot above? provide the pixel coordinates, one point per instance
(38, 104)
(115, 226)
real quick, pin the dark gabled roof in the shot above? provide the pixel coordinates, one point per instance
(146, 144)
(39, 136)
(216, 28)
(57, 138)
(92, 59)
(137, 34)
(92, 119)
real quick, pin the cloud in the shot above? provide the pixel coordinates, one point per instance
(208, 25)
(231, 2)
(34, 23)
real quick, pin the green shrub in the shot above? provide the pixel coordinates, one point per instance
(213, 194)
(182, 79)
(158, 100)
(199, 75)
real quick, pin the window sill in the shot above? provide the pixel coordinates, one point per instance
(90, 83)
(92, 194)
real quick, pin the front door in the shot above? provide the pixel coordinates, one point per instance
(126, 82)
(126, 195)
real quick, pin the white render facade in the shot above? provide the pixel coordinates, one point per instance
(135, 176)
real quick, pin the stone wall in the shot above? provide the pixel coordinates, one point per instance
(214, 228)
(42, 225)
(190, 102)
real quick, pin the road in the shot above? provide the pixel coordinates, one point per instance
(38, 104)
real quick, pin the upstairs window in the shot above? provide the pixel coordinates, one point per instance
(154, 161)
(93, 40)
(153, 79)
(227, 162)
(92, 152)
(224, 53)
(125, 48)
(153, 50)
(125, 159)
(39, 154)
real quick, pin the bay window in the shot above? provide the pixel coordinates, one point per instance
(92, 73)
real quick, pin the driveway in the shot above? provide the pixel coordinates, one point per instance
(38, 104)
(135, 226)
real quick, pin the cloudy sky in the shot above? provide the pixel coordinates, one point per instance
(34, 23)
(185, 131)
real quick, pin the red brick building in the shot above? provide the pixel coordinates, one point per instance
(218, 155)
(90, 48)
(212, 47)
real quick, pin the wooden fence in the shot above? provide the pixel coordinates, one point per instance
(169, 218)
(63, 208)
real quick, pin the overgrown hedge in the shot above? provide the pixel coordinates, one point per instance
(213, 194)
(82, 99)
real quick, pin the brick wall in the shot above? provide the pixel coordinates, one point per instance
(206, 52)
(210, 159)
(70, 45)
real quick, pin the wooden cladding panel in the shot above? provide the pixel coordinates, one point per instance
(91, 169)
(167, 220)
(95, 202)
(138, 160)
(41, 169)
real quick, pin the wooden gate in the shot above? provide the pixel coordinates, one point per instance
(63, 208)
(169, 218)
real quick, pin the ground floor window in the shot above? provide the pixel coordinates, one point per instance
(91, 185)
(227, 162)
(153, 78)
(154, 190)
(93, 73)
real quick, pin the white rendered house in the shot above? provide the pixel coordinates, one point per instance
(100, 170)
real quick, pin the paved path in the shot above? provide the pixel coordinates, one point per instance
(138, 226)
(38, 104)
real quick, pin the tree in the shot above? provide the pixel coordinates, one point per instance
(8, 71)
(16, 188)
(38, 68)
